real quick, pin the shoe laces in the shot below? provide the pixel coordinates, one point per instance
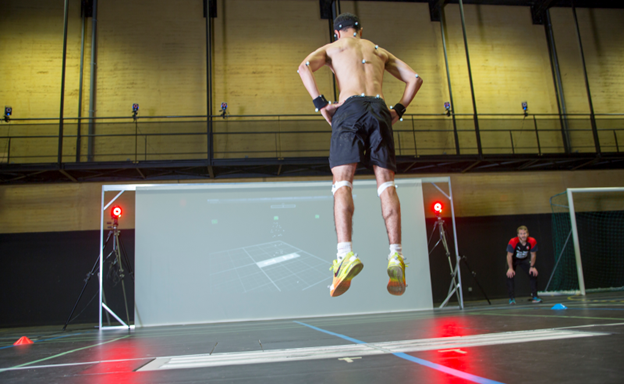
(336, 263)
(398, 257)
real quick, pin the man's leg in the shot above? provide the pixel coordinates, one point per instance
(391, 212)
(390, 205)
(343, 202)
(526, 266)
(347, 265)
(511, 287)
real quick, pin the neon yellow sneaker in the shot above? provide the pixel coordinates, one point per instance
(396, 272)
(344, 271)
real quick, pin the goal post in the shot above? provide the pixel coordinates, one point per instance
(588, 230)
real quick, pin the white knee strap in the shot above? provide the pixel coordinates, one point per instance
(383, 187)
(341, 184)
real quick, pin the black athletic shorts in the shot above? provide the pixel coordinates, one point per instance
(362, 133)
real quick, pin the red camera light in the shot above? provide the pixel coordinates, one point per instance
(437, 207)
(116, 212)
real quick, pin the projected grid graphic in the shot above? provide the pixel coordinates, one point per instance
(268, 267)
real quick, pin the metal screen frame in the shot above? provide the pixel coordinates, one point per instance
(121, 188)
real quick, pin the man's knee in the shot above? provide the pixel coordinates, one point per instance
(384, 186)
(340, 184)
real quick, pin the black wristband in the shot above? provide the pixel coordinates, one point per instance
(400, 109)
(320, 103)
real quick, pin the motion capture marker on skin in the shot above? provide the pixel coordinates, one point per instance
(363, 94)
(364, 61)
(417, 75)
(377, 96)
(356, 23)
(376, 46)
(391, 107)
(297, 71)
(354, 34)
(308, 63)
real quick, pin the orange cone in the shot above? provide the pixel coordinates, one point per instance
(23, 340)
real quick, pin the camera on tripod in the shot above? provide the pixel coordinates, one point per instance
(455, 287)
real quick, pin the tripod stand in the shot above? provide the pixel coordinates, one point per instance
(474, 276)
(455, 287)
(455, 274)
(116, 270)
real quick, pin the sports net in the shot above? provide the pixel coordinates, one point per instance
(600, 223)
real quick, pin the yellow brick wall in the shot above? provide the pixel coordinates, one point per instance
(153, 53)
(31, 52)
(602, 34)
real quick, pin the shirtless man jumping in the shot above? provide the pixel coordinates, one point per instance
(361, 132)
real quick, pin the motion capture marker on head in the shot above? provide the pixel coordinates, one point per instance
(356, 23)
(354, 34)
(340, 26)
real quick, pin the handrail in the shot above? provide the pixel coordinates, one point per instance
(297, 115)
(526, 130)
(176, 138)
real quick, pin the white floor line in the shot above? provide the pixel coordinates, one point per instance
(374, 346)
(350, 350)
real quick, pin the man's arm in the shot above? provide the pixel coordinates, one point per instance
(312, 63)
(406, 74)
(510, 271)
(533, 270)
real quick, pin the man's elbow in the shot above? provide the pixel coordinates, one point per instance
(419, 81)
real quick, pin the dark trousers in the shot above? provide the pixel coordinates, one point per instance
(525, 264)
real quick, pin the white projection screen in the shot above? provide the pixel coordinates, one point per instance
(252, 251)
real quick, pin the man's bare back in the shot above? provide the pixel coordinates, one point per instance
(358, 65)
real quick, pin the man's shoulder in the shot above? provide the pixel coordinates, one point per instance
(514, 241)
(532, 241)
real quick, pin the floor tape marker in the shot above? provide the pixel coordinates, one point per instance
(61, 354)
(405, 356)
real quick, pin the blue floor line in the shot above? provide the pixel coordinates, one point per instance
(575, 308)
(405, 356)
(598, 309)
(52, 338)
